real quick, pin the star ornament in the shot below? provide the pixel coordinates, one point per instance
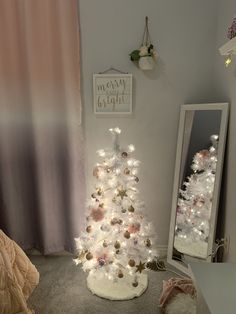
(122, 193)
(140, 267)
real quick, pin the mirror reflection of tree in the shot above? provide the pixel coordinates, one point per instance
(195, 202)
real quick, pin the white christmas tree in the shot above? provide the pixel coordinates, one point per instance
(195, 202)
(118, 241)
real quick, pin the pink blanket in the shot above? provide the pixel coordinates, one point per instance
(18, 277)
(173, 286)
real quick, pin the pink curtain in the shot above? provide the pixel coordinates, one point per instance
(41, 145)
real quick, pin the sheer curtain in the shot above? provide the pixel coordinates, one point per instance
(41, 142)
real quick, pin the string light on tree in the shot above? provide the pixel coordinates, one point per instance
(118, 242)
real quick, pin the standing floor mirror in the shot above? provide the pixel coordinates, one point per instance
(197, 179)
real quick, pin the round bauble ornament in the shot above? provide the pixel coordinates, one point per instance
(136, 179)
(105, 227)
(97, 214)
(148, 243)
(133, 228)
(93, 195)
(117, 245)
(131, 209)
(96, 172)
(101, 261)
(89, 256)
(123, 210)
(117, 251)
(120, 274)
(135, 284)
(131, 262)
(108, 170)
(105, 244)
(124, 154)
(99, 192)
(126, 171)
(89, 229)
(115, 221)
(127, 234)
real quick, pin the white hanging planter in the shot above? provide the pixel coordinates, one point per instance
(146, 63)
(146, 55)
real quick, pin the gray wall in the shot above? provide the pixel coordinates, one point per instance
(225, 83)
(184, 32)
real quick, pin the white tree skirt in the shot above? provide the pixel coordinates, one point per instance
(192, 248)
(120, 290)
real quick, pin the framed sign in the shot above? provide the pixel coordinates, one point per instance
(112, 93)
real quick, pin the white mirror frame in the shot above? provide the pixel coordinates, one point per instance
(223, 107)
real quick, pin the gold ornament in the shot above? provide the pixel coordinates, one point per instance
(116, 221)
(122, 193)
(127, 234)
(126, 171)
(89, 256)
(89, 229)
(108, 170)
(124, 155)
(140, 267)
(131, 262)
(99, 192)
(120, 274)
(148, 243)
(135, 284)
(93, 195)
(123, 210)
(131, 209)
(105, 244)
(82, 254)
(117, 245)
(136, 179)
(117, 251)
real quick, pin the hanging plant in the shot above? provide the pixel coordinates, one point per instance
(146, 55)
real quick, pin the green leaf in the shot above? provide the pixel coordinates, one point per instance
(134, 55)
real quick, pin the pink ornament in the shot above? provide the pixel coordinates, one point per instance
(96, 172)
(97, 214)
(133, 228)
(204, 153)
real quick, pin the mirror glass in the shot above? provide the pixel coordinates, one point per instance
(195, 195)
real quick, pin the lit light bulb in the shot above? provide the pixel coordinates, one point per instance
(117, 130)
(118, 171)
(101, 152)
(228, 60)
(130, 162)
(131, 148)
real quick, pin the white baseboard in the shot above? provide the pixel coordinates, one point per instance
(162, 250)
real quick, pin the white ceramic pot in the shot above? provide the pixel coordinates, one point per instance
(146, 63)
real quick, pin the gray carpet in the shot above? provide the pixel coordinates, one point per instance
(62, 289)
